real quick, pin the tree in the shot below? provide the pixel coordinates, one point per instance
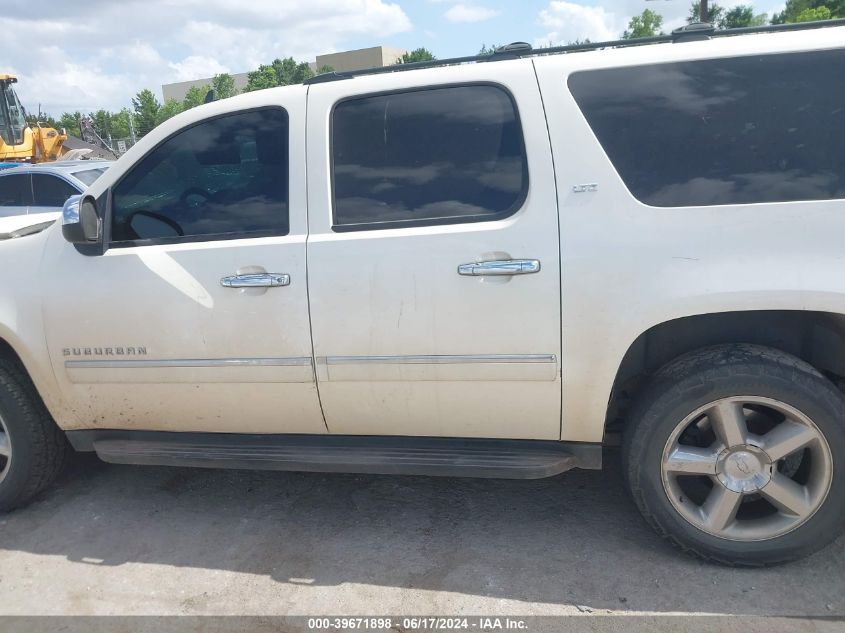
(120, 127)
(224, 86)
(417, 55)
(807, 10)
(647, 24)
(715, 14)
(325, 68)
(812, 15)
(737, 17)
(171, 108)
(43, 119)
(742, 16)
(146, 111)
(70, 121)
(488, 50)
(102, 122)
(195, 96)
(282, 72)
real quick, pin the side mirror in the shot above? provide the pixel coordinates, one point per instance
(80, 222)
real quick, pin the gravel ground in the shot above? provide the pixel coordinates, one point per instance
(159, 541)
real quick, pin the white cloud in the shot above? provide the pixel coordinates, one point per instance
(470, 13)
(568, 21)
(102, 52)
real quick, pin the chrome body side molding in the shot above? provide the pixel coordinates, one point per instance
(296, 369)
(441, 359)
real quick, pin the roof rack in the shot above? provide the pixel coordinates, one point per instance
(688, 33)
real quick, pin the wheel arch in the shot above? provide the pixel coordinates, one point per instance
(38, 371)
(817, 337)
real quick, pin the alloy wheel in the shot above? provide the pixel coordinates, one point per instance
(747, 468)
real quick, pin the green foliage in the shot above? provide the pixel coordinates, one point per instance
(812, 15)
(70, 121)
(120, 123)
(224, 86)
(742, 16)
(417, 55)
(646, 24)
(282, 72)
(146, 111)
(171, 108)
(715, 14)
(807, 10)
(102, 122)
(45, 119)
(325, 68)
(195, 96)
(488, 50)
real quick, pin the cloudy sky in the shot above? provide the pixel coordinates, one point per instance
(91, 54)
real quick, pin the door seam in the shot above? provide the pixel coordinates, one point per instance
(308, 268)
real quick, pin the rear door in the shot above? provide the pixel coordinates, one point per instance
(15, 194)
(433, 260)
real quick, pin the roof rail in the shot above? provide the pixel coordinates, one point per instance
(689, 33)
(694, 32)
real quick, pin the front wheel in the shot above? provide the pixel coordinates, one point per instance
(32, 448)
(737, 454)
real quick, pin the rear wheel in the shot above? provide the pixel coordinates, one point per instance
(736, 454)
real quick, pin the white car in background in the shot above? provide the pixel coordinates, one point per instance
(34, 194)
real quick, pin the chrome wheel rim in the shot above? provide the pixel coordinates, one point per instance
(747, 468)
(5, 450)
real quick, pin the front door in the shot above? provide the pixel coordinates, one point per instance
(196, 317)
(433, 254)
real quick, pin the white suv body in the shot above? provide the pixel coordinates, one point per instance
(369, 328)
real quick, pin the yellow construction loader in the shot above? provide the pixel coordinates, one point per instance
(19, 141)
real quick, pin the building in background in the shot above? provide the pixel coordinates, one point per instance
(373, 57)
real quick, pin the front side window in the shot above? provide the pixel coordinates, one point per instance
(15, 190)
(764, 128)
(51, 191)
(223, 178)
(425, 157)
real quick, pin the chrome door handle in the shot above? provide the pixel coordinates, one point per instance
(257, 280)
(500, 268)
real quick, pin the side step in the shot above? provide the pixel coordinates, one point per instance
(510, 459)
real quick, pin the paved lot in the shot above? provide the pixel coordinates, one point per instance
(129, 540)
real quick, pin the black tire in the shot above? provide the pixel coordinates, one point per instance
(696, 379)
(39, 447)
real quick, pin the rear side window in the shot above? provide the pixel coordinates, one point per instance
(51, 191)
(435, 156)
(223, 178)
(724, 131)
(15, 190)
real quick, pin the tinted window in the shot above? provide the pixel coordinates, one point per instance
(51, 191)
(88, 176)
(725, 131)
(15, 191)
(427, 157)
(223, 178)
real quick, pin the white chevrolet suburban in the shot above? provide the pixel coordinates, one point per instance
(482, 267)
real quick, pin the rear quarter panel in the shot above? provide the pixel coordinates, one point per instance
(627, 266)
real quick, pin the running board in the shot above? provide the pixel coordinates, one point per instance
(509, 459)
